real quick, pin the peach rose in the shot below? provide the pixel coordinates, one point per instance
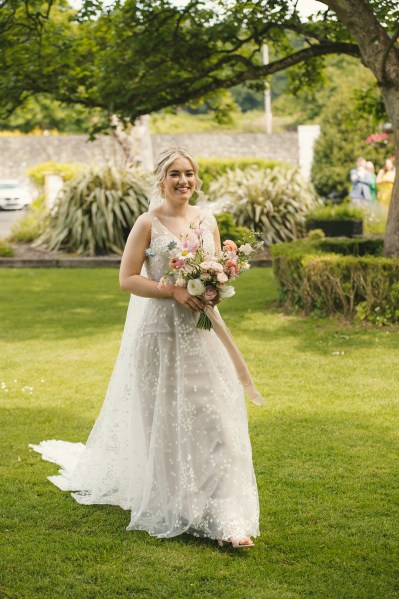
(173, 262)
(229, 246)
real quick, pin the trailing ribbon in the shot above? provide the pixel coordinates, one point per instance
(241, 368)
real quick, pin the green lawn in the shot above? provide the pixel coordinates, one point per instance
(325, 452)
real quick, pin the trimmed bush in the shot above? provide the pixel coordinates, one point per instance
(212, 168)
(68, 170)
(96, 210)
(338, 283)
(228, 229)
(31, 225)
(339, 212)
(273, 202)
(5, 250)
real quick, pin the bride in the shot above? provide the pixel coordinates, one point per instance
(171, 442)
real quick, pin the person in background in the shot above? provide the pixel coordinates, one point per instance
(373, 180)
(361, 179)
(385, 180)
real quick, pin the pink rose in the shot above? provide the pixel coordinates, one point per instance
(210, 293)
(222, 277)
(229, 246)
(180, 283)
(173, 262)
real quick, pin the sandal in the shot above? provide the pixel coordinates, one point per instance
(235, 543)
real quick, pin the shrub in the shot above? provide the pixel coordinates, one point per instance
(316, 234)
(212, 168)
(32, 224)
(6, 251)
(228, 229)
(96, 210)
(333, 283)
(273, 201)
(335, 212)
(68, 170)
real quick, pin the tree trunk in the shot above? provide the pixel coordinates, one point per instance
(381, 55)
(391, 241)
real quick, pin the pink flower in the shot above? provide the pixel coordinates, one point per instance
(229, 246)
(199, 230)
(205, 276)
(233, 272)
(180, 283)
(231, 263)
(190, 246)
(231, 255)
(222, 277)
(173, 262)
(210, 292)
(180, 263)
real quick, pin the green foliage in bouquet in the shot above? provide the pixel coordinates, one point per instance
(96, 210)
(273, 201)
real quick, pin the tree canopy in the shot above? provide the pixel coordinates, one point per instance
(134, 57)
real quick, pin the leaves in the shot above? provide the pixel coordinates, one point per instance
(96, 210)
(273, 201)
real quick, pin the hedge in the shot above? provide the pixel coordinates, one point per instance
(210, 168)
(362, 285)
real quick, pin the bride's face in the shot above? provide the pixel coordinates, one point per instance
(180, 181)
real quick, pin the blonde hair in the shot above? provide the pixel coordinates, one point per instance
(163, 161)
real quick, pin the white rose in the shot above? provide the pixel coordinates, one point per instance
(195, 287)
(246, 249)
(226, 292)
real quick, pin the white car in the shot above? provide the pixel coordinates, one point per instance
(13, 195)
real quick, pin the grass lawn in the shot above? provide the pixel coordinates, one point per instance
(325, 452)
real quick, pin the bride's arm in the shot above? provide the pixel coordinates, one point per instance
(132, 261)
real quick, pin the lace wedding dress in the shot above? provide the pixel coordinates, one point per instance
(171, 442)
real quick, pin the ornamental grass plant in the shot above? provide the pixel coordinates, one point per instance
(96, 210)
(272, 201)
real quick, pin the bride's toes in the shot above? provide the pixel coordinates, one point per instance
(244, 542)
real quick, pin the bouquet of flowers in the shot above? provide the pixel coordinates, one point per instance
(208, 276)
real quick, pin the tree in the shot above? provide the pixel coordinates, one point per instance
(135, 57)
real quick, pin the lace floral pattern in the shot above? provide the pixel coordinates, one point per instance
(171, 442)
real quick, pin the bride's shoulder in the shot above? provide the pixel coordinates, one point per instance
(144, 220)
(207, 217)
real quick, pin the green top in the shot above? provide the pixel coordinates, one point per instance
(373, 187)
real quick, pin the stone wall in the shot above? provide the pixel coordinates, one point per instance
(17, 153)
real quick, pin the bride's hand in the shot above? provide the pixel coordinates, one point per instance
(194, 303)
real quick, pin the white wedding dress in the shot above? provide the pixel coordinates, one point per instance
(171, 442)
